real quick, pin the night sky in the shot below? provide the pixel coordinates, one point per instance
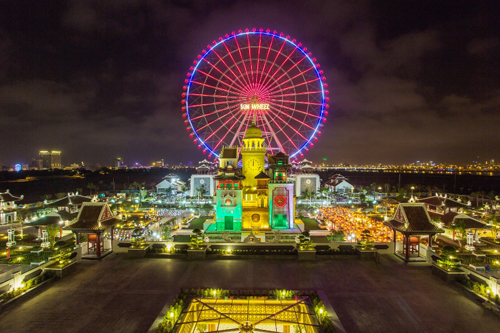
(408, 80)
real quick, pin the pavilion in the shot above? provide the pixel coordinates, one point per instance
(441, 204)
(93, 220)
(412, 220)
(70, 203)
(60, 218)
(8, 207)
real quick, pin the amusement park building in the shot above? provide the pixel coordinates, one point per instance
(248, 198)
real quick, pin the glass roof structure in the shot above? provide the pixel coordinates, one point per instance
(259, 314)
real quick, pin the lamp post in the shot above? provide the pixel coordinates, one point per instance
(412, 188)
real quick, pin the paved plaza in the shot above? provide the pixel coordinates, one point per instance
(119, 294)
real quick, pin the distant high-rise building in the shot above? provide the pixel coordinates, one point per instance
(50, 160)
(118, 162)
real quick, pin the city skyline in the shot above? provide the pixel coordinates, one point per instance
(407, 82)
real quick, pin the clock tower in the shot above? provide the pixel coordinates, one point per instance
(253, 155)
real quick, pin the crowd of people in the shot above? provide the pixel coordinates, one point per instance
(354, 223)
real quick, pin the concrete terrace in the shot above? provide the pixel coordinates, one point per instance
(126, 295)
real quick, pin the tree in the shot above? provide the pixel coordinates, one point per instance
(91, 187)
(492, 219)
(459, 227)
(153, 186)
(79, 190)
(387, 188)
(52, 231)
(336, 236)
(196, 239)
(60, 195)
(207, 208)
(167, 231)
(125, 205)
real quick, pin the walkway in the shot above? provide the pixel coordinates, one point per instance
(119, 294)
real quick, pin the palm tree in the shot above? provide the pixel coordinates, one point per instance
(91, 187)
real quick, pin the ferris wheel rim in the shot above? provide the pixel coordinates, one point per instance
(311, 64)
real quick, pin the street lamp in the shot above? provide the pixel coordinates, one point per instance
(412, 188)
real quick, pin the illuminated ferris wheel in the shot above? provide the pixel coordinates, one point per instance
(255, 75)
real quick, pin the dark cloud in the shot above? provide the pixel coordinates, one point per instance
(99, 79)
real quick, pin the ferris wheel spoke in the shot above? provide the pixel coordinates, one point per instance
(241, 78)
(211, 113)
(297, 85)
(214, 87)
(238, 131)
(273, 133)
(281, 66)
(293, 128)
(220, 96)
(265, 62)
(258, 60)
(285, 73)
(243, 61)
(298, 102)
(218, 119)
(266, 131)
(274, 61)
(301, 93)
(236, 87)
(213, 103)
(229, 68)
(250, 58)
(290, 79)
(290, 140)
(224, 126)
(278, 109)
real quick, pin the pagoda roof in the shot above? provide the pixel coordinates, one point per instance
(94, 216)
(69, 200)
(469, 222)
(413, 218)
(445, 218)
(441, 201)
(452, 218)
(262, 175)
(8, 197)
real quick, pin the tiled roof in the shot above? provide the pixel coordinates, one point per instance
(440, 201)
(69, 200)
(88, 218)
(79, 199)
(413, 219)
(469, 222)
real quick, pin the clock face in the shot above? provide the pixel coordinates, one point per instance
(308, 181)
(280, 201)
(253, 164)
(202, 181)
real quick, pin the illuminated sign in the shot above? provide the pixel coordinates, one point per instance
(18, 167)
(256, 106)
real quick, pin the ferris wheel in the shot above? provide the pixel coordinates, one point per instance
(255, 76)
